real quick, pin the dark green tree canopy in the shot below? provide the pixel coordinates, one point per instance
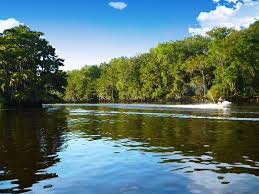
(223, 63)
(29, 67)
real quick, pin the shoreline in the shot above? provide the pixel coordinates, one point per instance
(239, 101)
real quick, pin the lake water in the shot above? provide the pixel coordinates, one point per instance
(126, 149)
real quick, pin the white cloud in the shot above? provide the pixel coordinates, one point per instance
(216, 1)
(241, 15)
(232, 1)
(118, 5)
(8, 23)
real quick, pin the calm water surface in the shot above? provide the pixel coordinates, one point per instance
(110, 149)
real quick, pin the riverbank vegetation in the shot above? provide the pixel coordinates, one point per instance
(223, 63)
(29, 69)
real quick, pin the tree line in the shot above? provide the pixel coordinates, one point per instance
(223, 63)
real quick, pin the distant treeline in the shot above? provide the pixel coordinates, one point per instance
(223, 63)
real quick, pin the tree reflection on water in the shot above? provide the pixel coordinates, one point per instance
(95, 144)
(29, 142)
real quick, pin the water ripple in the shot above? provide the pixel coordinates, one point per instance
(157, 114)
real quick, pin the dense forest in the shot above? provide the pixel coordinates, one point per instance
(29, 69)
(223, 63)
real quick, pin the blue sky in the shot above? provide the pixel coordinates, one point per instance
(94, 31)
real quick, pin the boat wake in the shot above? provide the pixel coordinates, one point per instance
(82, 112)
(199, 106)
(223, 105)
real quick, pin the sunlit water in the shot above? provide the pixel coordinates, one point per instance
(130, 148)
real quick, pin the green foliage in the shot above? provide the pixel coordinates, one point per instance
(29, 68)
(82, 84)
(223, 63)
(235, 58)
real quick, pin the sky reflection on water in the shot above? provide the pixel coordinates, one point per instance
(115, 149)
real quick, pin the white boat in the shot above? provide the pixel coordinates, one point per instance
(224, 104)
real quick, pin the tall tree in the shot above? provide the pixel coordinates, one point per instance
(29, 67)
